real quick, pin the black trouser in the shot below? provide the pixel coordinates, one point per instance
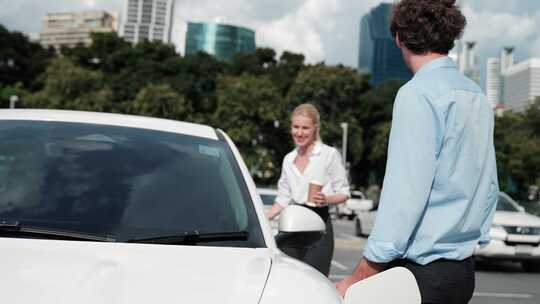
(443, 281)
(319, 255)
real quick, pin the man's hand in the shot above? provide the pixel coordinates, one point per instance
(364, 270)
(344, 284)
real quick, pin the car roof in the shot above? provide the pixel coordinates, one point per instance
(121, 120)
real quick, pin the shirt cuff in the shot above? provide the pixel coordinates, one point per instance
(380, 252)
(484, 241)
(282, 201)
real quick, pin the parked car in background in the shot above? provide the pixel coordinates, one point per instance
(355, 204)
(365, 218)
(515, 235)
(268, 197)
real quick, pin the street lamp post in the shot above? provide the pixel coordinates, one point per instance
(345, 127)
(12, 100)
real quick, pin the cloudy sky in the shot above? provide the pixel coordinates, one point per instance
(323, 30)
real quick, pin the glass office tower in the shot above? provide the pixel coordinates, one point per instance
(378, 54)
(219, 40)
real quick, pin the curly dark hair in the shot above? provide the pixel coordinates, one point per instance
(427, 25)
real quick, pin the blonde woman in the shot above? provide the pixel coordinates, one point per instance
(311, 161)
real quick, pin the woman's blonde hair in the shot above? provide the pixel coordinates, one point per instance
(309, 110)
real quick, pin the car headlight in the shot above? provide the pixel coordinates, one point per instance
(497, 232)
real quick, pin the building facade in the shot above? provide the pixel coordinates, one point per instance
(493, 81)
(378, 53)
(147, 20)
(220, 40)
(496, 69)
(522, 84)
(67, 29)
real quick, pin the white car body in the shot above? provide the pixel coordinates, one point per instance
(353, 206)
(49, 271)
(55, 271)
(515, 235)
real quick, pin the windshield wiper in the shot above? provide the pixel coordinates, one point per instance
(16, 229)
(194, 237)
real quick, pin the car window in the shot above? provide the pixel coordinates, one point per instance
(268, 199)
(123, 182)
(503, 204)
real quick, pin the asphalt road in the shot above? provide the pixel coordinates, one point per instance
(496, 283)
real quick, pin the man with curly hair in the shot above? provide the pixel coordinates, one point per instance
(440, 186)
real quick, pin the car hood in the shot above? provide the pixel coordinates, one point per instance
(45, 271)
(508, 218)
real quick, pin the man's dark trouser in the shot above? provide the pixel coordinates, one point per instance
(443, 281)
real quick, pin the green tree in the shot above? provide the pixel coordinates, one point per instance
(68, 86)
(159, 101)
(11, 90)
(517, 145)
(336, 92)
(251, 111)
(20, 59)
(375, 118)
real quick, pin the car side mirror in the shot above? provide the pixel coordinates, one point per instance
(399, 281)
(299, 227)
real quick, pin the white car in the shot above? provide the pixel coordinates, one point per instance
(107, 208)
(366, 212)
(353, 205)
(515, 235)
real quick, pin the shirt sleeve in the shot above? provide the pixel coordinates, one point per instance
(338, 175)
(410, 171)
(486, 225)
(284, 191)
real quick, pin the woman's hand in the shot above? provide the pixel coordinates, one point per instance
(319, 198)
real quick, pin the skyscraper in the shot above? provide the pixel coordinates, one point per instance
(67, 29)
(496, 69)
(147, 20)
(467, 62)
(493, 81)
(378, 53)
(522, 84)
(219, 40)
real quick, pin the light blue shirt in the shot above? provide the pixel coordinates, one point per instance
(440, 187)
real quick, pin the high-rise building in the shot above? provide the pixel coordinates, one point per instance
(220, 40)
(378, 53)
(147, 20)
(522, 84)
(496, 69)
(67, 29)
(468, 62)
(493, 81)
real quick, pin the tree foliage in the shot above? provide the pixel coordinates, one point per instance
(250, 98)
(517, 145)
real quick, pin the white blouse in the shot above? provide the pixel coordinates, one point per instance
(325, 166)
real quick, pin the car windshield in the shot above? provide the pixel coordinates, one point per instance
(503, 204)
(268, 199)
(127, 183)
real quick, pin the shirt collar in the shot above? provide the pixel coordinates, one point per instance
(442, 62)
(316, 149)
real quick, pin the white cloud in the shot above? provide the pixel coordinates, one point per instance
(493, 30)
(302, 30)
(321, 29)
